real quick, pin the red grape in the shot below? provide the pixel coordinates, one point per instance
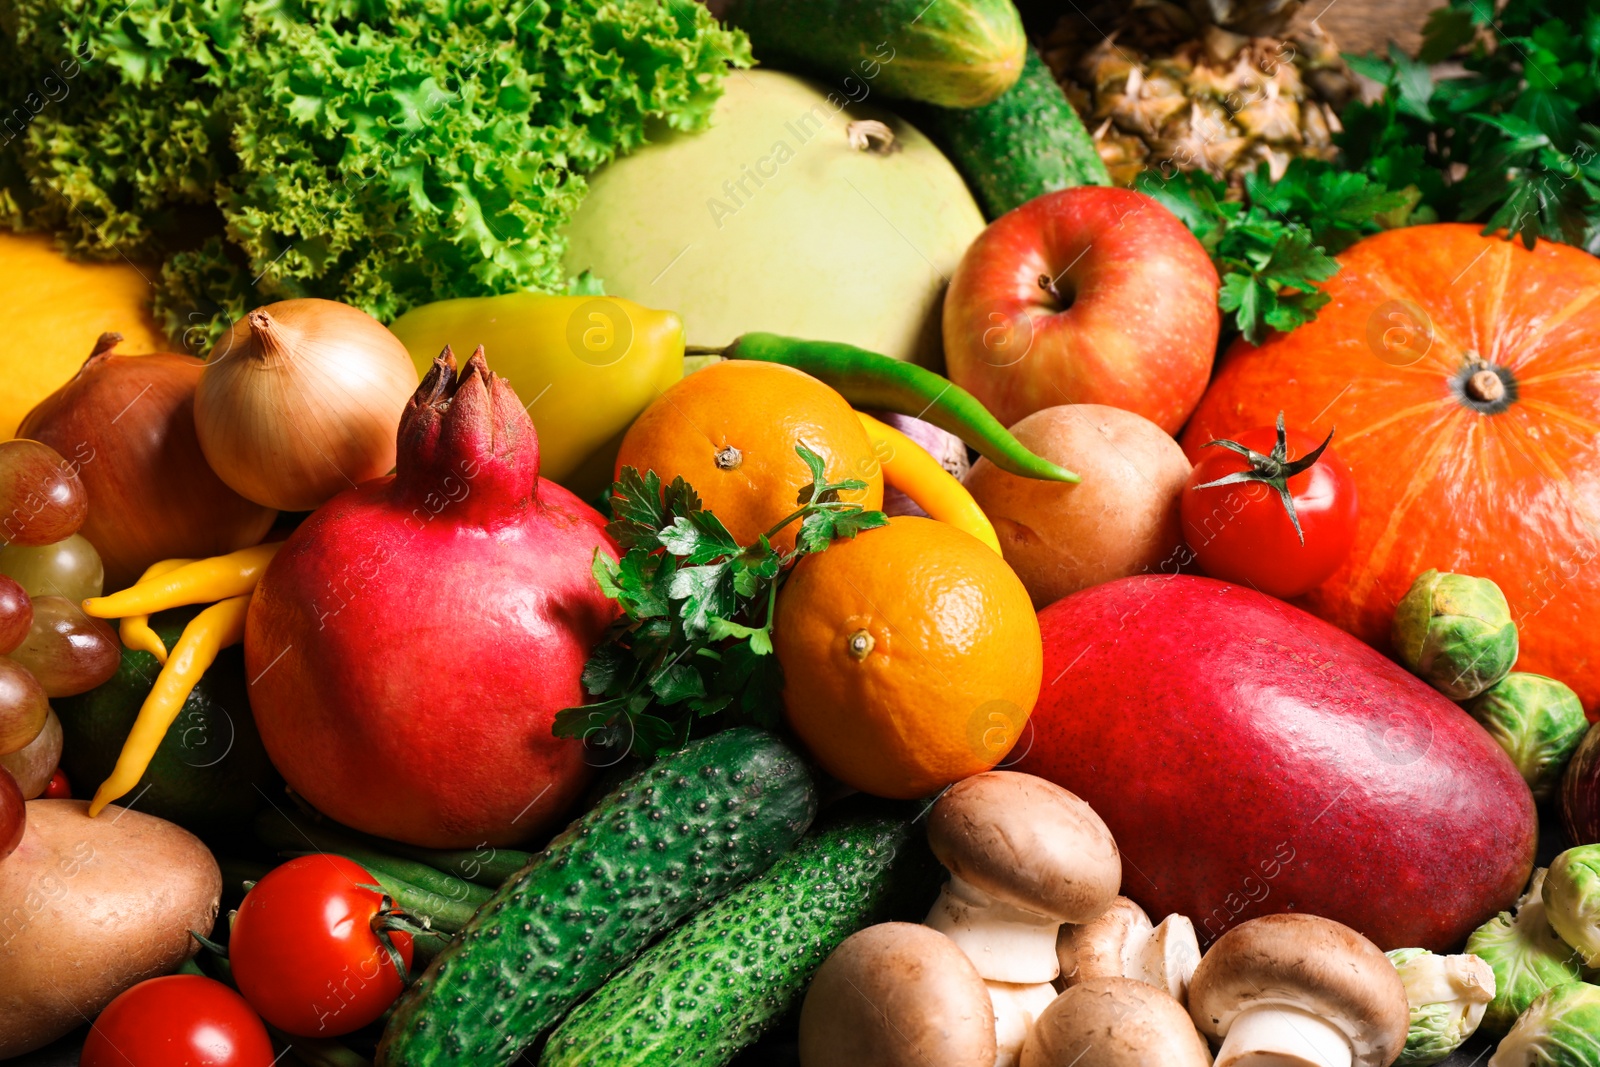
(16, 614)
(34, 764)
(23, 706)
(67, 651)
(13, 814)
(42, 499)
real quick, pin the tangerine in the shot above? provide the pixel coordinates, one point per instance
(730, 431)
(911, 657)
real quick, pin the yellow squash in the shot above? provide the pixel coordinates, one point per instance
(52, 310)
(585, 366)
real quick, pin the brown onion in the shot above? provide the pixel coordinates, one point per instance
(126, 423)
(302, 400)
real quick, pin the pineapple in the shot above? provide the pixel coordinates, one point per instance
(1218, 85)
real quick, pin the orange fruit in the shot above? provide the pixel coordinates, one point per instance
(911, 657)
(730, 431)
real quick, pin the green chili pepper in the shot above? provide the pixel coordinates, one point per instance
(870, 380)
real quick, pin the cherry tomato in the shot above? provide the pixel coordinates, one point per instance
(306, 950)
(182, 1020)
(1242, 530)
(58, 788)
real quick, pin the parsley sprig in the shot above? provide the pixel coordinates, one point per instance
(1512, 142)
(1273, 248)
(694, 639)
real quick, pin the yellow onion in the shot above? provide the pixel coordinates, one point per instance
(126, 425)
(301, 400)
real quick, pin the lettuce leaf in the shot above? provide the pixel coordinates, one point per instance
(382, 153)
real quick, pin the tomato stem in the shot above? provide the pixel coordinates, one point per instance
(1272, 470)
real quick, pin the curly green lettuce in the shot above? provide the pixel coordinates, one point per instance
(381, 153)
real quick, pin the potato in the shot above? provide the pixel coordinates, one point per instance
(89, 907)
(1122, 519)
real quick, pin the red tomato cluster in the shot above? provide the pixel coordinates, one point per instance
(308, 952)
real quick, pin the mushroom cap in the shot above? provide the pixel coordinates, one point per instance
(1098, 949)
(897, 995)
(1307, 962)
(1114, 1022)
(1028, 843)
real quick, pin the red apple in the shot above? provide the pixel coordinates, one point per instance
(1084, 296)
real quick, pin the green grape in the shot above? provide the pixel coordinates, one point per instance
(42, 499)
(67, 651)
(69, 568)
(23, 707)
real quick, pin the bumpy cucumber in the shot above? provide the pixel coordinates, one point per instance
(957, 53)
(671, 839)
(716, 983)
(1025, 144)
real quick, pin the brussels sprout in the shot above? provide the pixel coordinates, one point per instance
(1456, 633)
(1537, 720)
(1526, 955)
(1561, 1028)
(1448, 996)
(1572, 900)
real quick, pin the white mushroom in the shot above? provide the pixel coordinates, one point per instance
(1115, 1022)
(1015, 1009)
(1299, 991)
(897, 995)
(1122, 943)
(1024, 856)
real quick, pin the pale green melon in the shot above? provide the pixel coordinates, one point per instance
(773, 220)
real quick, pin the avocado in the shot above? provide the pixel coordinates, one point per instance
(211, 771)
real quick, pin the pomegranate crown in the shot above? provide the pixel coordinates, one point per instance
(466, 435)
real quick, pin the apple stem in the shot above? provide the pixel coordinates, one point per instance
(1048, 284)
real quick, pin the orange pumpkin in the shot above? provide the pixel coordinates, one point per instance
(1461, 375)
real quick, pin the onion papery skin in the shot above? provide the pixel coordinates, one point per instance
(300, 401)
(126, 423)
(410, 645)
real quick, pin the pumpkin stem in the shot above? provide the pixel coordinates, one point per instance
(1486, 387)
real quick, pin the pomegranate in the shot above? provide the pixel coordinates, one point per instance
(411, 643)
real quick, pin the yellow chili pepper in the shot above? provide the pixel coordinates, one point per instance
(908, 467)
(135, 629)
(199, 582)
(208, 633)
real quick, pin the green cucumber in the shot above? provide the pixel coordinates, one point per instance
(679, 834)
(718, 982)
(956, 53)
(1025, 144)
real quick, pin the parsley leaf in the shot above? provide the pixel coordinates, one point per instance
(1274, 248)
(1510, 139)
(694, 638)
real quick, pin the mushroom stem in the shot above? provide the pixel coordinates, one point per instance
(1277, 1035)
(1005, 943)
(1015, 1009)
(1168, 956)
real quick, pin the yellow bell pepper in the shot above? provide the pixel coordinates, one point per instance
(908, 467)
(585, 366)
